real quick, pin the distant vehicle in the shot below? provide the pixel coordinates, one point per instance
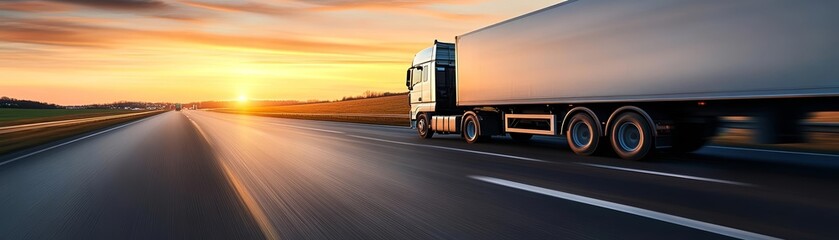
(632, 75)
(177, 107)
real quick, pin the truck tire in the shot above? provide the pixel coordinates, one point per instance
(424, 126)
(521, 137)
(471, 129)
(631, 136)
(583, 135)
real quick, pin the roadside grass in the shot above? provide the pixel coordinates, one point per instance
(393, 121)
(332, 111)
(397, 104)
(14, 141)
(10, 116)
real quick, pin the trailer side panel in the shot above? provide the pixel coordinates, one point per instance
(622, 51)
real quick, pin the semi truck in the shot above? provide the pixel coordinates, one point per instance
(632, 77)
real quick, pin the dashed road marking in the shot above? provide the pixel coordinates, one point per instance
(667, 174)
(699, 225)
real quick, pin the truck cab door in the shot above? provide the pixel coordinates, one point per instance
(427, 83)
(415, 81)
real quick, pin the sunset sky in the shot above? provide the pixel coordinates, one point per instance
(96, 51)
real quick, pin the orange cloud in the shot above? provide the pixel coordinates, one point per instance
(35, 6)
(278, 43)
(49, 32)
(118, 4)
(351, 4)
(244, 7)
(55, 32)
(409, 7)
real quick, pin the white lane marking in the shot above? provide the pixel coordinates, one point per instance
(71, 141)
(451, 149)
(257, 212)
(307, 128)
(206, 139)
(667, 174)
(704, 226)
(775, 151)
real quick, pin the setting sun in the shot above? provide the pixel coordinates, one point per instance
(242, 98)
(163, 47)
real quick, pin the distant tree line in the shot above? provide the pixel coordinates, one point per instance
(372, 94)
(233, 104)
(122, 105)
(7, 102)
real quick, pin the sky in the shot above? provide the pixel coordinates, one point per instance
(98, 51)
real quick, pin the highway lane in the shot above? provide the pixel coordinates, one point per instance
(317, 179)
(151, 179)
(197, 174)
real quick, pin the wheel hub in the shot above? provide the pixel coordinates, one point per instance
(471, 130)
(629, 136)
(421, 125)
(581, 134)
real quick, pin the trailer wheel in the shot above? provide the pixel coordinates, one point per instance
(521, 137)
(424, 126)
(631, 136)
(471, 129)
(583, 135)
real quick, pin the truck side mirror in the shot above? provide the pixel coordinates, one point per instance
(408, 80)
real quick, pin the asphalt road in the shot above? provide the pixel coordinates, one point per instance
(198, 175)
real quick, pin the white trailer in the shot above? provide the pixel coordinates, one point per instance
(636, 75)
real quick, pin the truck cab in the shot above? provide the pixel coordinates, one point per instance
(431, 81)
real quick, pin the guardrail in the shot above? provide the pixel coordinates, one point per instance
(807, 126)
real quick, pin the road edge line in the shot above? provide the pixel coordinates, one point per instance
(73, 140)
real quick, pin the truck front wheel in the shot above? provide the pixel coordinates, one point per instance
(631, 136)
(424, 126)
(583, 135)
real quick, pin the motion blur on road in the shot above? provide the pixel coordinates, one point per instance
(198, 175)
